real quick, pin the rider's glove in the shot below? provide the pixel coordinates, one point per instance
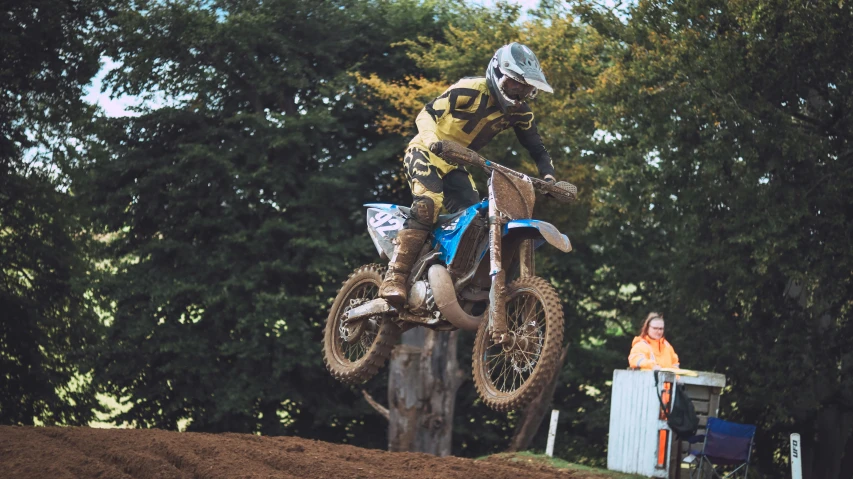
(428, 138)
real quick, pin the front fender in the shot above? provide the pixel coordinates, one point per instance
(546, 231)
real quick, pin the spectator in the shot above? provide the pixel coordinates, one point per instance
(650, 350)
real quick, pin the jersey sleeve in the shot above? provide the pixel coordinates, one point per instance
(428, 118)
(530, 139)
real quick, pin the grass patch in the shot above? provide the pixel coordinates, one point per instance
(561, 464)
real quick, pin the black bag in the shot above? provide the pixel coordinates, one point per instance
(682, 417)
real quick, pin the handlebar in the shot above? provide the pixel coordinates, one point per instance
(453, 152)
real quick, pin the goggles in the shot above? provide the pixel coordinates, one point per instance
(515, 90)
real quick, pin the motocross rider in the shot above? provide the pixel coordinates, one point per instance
(471, 112)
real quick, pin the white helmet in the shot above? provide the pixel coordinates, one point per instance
(514, 75)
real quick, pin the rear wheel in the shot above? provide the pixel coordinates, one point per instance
(508, 376)
(354, 352)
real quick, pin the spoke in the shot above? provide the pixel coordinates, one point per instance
(491, 361)
(496, 378)
(354, 351)
(510, 370)
(525, 311)
(508, 377)
(512, 314)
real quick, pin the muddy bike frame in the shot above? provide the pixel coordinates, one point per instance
(511, 197)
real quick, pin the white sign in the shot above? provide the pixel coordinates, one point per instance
(796, 457)
(552, 433)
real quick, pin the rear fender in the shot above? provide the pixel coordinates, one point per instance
(542, 232)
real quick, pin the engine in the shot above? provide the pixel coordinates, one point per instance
(421, 300)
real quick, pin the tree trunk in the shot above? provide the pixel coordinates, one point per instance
(423, 381)
(847, 461)
(833, 430)
(535, 412)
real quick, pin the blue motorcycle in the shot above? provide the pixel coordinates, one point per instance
(460, 282)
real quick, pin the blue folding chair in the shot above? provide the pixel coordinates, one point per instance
(725, 444)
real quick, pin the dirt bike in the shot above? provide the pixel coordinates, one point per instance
(454, 286)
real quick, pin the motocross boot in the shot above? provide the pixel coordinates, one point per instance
(409, 243)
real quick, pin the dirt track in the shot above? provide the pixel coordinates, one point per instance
(57, 453)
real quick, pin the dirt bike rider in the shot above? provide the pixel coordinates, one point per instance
(471, 112)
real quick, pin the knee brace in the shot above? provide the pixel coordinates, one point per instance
(423, 214)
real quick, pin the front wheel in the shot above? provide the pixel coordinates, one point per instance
(354, 352)
(508, 376)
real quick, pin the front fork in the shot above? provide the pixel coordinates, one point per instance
(497, 305)
(497, 294)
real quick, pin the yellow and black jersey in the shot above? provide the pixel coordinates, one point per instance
(467, 114)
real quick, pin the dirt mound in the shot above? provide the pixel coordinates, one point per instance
(74, 452)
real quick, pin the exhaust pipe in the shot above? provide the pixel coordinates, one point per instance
(445, 299)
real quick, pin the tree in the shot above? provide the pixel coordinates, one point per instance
(424, 377)
(727, 178)
(48, 321)
(234, 209)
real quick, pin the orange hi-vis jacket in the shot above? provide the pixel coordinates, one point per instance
(647, 352)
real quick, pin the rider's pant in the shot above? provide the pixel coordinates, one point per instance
(435, 184)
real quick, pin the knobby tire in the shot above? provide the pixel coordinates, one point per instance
(364, 281)
(543, 364)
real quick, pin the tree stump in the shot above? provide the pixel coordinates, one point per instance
(423, 381)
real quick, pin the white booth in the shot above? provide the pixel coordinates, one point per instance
(640, 441)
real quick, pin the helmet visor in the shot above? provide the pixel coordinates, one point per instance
(516, 90)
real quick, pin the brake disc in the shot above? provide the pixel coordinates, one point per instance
(352, 332)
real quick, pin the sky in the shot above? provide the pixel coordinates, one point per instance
(112, 106)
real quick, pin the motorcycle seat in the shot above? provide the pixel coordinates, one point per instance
(442, 219)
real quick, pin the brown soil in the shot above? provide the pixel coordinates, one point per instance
(76, 452)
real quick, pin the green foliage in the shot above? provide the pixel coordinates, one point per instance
(47, 320)
(234, 212)
(47, 60)
(728, 177)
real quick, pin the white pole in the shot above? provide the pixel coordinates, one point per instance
(552, 433)
(796, 457)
